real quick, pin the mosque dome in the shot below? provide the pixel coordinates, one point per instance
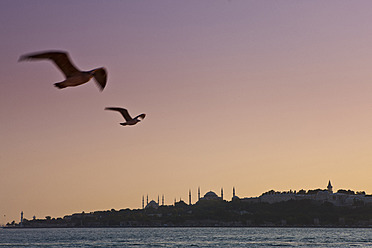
(152, 204)
(211, 196)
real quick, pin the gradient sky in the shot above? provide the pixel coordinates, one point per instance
(258, 95)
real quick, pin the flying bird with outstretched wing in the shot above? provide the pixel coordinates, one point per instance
(74, 77)
(129, 120)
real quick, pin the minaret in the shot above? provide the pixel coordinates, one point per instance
(221, 193)
(174, 201)
(143, 202)
(162, 200)
(21, 218)
(147, 200)
(189, 196)
(158, 200)
(329, 187)
(233, 192)
(198, 193)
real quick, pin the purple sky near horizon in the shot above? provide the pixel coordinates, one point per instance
(256, 95)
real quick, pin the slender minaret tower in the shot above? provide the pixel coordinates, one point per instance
(147, 200)
(143, 202)
(162, 200)
(198, 193)
(158, 200)
(22, 218)
(329, 187)
(190, 197)
(174, 201)
(221, 193)
(233, 192)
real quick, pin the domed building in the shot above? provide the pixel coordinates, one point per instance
(211, 196)
(152, 204)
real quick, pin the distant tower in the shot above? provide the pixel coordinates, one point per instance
(233, 192)
(174, 201)
(221, 193)
(329, 187)
(189, 196)
(22, 218)
(158, 200)
(162, 200)
(147, 200)
(198, 193)
(143, 202)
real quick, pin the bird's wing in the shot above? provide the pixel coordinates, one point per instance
(61, 59)
(123, 112)
(141, 116)
(100, 76)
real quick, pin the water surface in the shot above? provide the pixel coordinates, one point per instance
(186, 237)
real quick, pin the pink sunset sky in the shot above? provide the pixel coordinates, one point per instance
(255, 95)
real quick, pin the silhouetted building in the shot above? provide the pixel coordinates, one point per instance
(152, 204)
(329, 187)
(210, 196)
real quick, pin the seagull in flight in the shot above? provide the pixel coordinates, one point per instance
(129, 120)
(74, 77)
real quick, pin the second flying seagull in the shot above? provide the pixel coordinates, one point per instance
(129, 120)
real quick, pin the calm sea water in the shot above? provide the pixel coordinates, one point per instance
(186, 237)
